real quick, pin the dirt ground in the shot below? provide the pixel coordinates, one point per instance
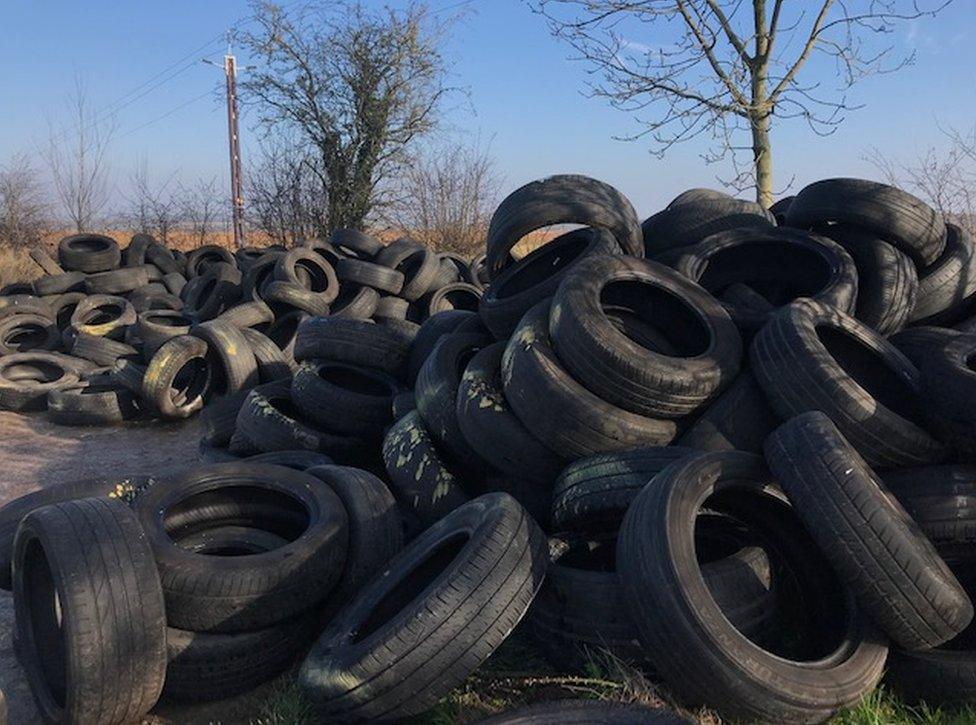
(35, 454)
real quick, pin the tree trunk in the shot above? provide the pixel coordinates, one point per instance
(762, 159)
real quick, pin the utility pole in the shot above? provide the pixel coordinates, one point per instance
(236, 189)
(236, 184)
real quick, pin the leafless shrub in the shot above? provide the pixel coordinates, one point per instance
(77, 155)
(447, 198)
(201, 207)
(285, 195)
(23, 208)
(153, 208)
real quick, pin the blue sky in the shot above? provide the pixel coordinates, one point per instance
(523, 94)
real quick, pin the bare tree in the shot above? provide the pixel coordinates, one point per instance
(447, 198)
(725, 68)
(23, 209)
(77, 155)
(153, 208)
(945, 178)
(200, 208)
(286, 199)
(357, 87)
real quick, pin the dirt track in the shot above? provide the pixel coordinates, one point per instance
(36, 454)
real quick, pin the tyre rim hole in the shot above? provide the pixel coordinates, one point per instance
(642, 312)
(545, 262)
(44, 621)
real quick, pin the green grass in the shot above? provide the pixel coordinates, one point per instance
(517, 674)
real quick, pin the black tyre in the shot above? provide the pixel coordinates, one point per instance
(812, 357)
(157, 326)
(780, 208)
(605, 322)
(565, 198)
(491, 428)
(101, 350)
(345, 399)
(585, 712)
(198, 260)
(26, 332)
(437, 612)
(370, 274)
(247, 314)
(919, 343)
(536, 276)
(27, 377)
(353, 240)
(694, 648)
(214, 291)
(420, 480)
(235, 591)
(894, 215)
(563, 415)
(686, 224)
(355, 302)
(272, 362)
(887, 283)
(429, 334)
(454, 296)
(232, 363)
(91, 404)
(59, 283)
(174, 282)
(779, 264)
(436, 393)
(391, 308)
(893, 570)
(103, 316)
(89, 253)
(418, 265)
(25, 304)
(942, 501)
(45, 261)
(179, 377)
(90, 624)
(737, 420)
(116, 281)
(375, 531)
(272, 422)
(355, 342)
(283, 296)
(308, 269)
(593, 493)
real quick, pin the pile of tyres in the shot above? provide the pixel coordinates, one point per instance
(734, 447)
(107, 335)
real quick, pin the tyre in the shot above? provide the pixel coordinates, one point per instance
(24, 304)
(370, 274)
(812, 357)
(565, 198)
(420, 480)
(89, 253)
(694, 648)
(536, 276)
(894, 215)
(27, 377)
(355, 302)
(436, 393)
(103, 316)
(403, 404)
(593, 493)
(919, 343)
(271, 360)
(887, 283)
(272, 422)
(116, 281)
(283, 296)
(179, 377)
(91, 404)
(780, 264)
(355, 342)
(203, 592)
(942, 501)
(174, 282)
(45, 261)
(429, 334)
(101, 350)
(375, 531)
(298, 460)
(418, 265)
(232, 363)
(355, 241)
(26, 332)
(203, 257)
(686, 224)
(91, 629)
(259, 273)
(893, 570)
(155, 327)
(491, 428)
(344, 399)
(218, 288)
(59, 283)
(307, 268)
(391, 308)
(454, 296)
(949, 386)
(247, 314)
(476, 572)
(598, 321)
(693, 196)
(563, 415)
(737, 420)
(780, 209)
(124, 488)
(214, 666)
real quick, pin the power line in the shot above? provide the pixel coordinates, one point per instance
(165, 115)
